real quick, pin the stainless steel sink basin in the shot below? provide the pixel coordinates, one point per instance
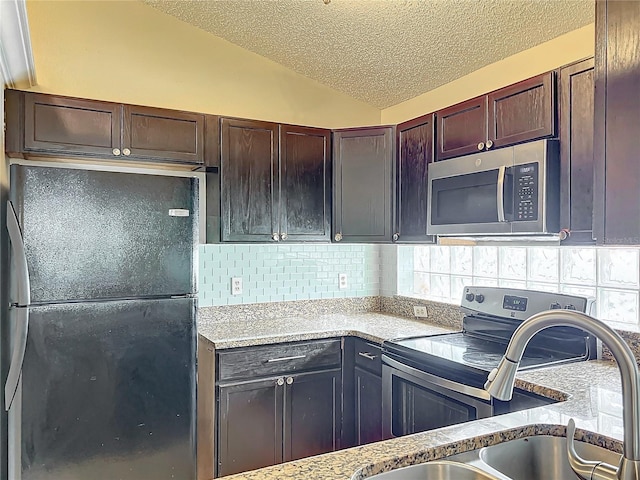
(541, 457)
(439, 470)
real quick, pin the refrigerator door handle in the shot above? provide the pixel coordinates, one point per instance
(19, 341)
(19, 256)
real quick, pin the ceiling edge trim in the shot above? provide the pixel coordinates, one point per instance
(16, 54)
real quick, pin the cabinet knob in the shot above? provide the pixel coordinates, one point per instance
(280, 382)
(338, 237)
(275, 236)
(289, 380)
(489, 144)
(395, 237)
(283, 236)
(116, 152)
(564, 233)
(481, 146)
(126, 151)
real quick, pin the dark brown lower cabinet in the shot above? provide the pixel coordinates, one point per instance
(312, 418)
(250, 425)
(368, 404)
(278, 419)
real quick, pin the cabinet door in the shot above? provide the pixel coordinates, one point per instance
(462, 128)
(313, 413)
(415, 153)
(576, 151)
(249, 185)
(523, 111)
(368, 406)
(249, 426)
(163, 134)
(617, 117)
(305, 183)
(71, 126)
(363, 164)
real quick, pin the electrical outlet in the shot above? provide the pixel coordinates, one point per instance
(342, 281)
(420, 310)
(236, 286)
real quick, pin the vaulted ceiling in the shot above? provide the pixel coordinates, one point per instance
(383, 51)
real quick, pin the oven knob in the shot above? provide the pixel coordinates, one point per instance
(479, 298)
(555, 306)
(570, 307)
(470, 297)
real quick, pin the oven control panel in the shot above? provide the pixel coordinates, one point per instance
(520, 304)
(513, 302)
(526, 192)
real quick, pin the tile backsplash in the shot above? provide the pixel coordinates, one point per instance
(610, 275)
(279, 272)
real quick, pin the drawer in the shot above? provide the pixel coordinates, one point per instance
(367, 356)
(283, 358)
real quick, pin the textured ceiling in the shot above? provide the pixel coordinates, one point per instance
(383, 51)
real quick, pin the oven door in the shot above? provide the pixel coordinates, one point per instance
(471, 195)
(415, 401)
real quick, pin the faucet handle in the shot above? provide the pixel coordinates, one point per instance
(587, 469)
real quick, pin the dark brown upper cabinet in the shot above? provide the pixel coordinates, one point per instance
(363, 184)
(249, 180)
(414, 140)
(617, 123)
(163, 134)
(514, 114)
(305, 184)
(51, 125)
(275, 182)
(576, 95)
(38, 123)
(462, 128)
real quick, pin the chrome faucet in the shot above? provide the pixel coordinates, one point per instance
(501, 379)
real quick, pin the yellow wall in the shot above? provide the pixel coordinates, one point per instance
(128, 52)
(562, 50)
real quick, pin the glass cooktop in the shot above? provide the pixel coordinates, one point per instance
(465, 349)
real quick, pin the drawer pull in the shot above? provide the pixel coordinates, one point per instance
(284, 359)
(367, 355)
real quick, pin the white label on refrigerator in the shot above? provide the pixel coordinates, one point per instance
(178, 212)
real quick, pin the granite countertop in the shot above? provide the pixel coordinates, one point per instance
(369, 326)
(589, 392)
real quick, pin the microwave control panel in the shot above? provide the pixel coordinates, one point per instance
(526, 195)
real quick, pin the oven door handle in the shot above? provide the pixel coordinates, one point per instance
(441, 382)
(500, 193)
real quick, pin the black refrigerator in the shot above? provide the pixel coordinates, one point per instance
(102, 323)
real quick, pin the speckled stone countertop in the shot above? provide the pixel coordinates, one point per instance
(593, 399)
(369, 326)
(589, 392)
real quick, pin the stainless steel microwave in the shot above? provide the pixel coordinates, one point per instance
(510, 191)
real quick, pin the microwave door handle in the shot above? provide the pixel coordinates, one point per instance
(500, 193)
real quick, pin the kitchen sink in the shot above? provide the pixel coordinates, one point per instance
(438, 470)
(541, 457)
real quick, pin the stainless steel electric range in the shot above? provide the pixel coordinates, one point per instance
(435, 381)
